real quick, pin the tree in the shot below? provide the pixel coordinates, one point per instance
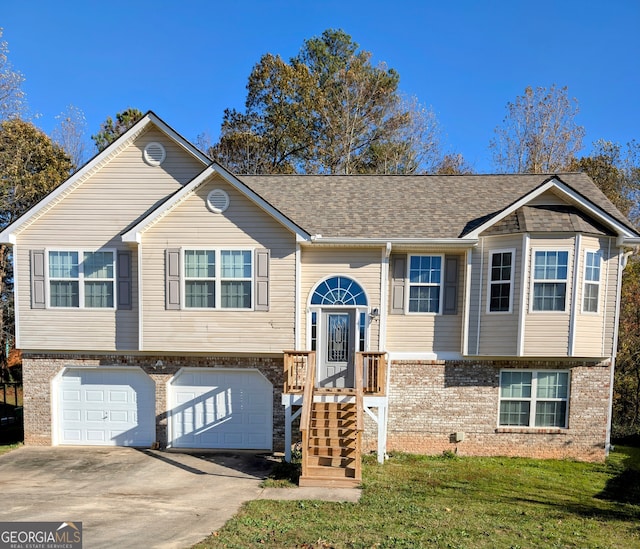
(615, 170)
(539, 134)
(31, 166)
(12, 97)
(453, 164)
(110, 130)
(327, 110)
(626, 396)
(69, 134)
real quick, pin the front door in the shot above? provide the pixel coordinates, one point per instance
(338, 340)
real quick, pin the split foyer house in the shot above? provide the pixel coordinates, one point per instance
(162, 300)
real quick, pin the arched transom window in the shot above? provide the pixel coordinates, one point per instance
(339, 290)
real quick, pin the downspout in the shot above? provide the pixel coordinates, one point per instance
(622, 263)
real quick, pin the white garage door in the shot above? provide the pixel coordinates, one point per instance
(106, 407)
(220, 408)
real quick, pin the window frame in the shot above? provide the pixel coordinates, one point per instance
(81, 278)
(533, 399)
(218, 279)
(491, 282)
(566, 281)
(585, 282)
(439, 285)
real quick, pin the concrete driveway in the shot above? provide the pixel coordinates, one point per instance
(129, 498)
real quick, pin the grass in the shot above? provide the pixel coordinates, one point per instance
(458, 502)
(4, 448)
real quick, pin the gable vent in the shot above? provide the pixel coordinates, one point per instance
(217, 201)
(154, 154)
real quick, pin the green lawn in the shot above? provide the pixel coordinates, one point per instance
(418, 501)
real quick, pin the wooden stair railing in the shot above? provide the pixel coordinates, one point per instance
(331, 436)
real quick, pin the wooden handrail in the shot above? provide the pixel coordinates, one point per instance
(359, 382)
(307, 406)
(295, 371)
(374, 370)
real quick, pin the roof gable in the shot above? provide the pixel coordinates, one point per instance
(135, 232)
(8, 235)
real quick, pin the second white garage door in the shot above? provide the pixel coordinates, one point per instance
(220, 408)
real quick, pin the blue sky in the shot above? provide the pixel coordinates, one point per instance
(189, 60)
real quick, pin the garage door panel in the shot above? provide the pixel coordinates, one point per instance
(224, 409)
(113, 407)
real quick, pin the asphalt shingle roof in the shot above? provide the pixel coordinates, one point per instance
(408, 206)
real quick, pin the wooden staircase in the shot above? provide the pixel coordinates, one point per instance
(332, 446)
(331, 424)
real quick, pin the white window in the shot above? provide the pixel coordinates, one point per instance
(81, 279)
(501, 267)
(534, 398)
(591, 290)
(218, 279)
(550, 271)
(425, 278)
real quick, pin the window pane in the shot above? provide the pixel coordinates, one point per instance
(501, 266)
(500, 294)
(424, 299)
(200, 264)
(98, 294)
(64, 294)
(514, 413)
(200, 293)
(552, 384)
(63, 264)
(549, 296)
(425, 269)
(236, 264)
(515, 384)
(551, 265)
(592, 267)
(551, 414)
(236, 295)
(590, 298)
(98, 265)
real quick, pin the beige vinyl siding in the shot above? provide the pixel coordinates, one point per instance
(547, 333)
(362, 265)
(426, 333)
(499, 331)
(592, 338)
(547, 198)
(243, 225)
(91, 217)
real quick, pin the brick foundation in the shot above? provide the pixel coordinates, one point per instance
(430, 401)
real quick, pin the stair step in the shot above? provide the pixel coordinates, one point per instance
(330, 472)
(332, 432)
(331, 442)
(331, 461)
(332, 451)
